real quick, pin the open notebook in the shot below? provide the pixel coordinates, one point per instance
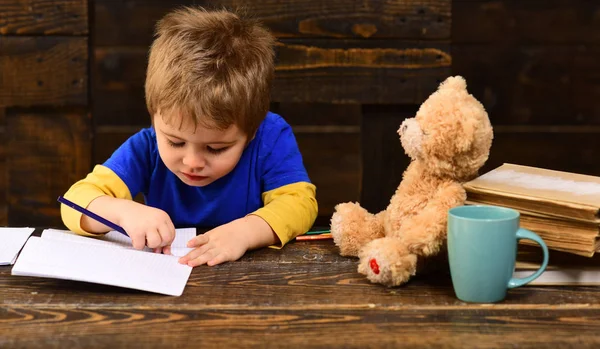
(109, 260)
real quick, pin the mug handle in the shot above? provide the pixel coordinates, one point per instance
(526, 234)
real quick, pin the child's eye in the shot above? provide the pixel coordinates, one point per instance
(216, 150)
(175, 145)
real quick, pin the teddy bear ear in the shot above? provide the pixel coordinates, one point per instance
(454, 83)
(467, 134)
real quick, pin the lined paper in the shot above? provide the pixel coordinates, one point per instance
(11, 242)
(153, 272)
(116, 239)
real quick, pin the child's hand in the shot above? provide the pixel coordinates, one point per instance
(147, 226)
(229, 242)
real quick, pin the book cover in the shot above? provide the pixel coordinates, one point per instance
(554, 193)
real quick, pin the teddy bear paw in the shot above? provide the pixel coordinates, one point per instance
(352, 227)
(386, 261)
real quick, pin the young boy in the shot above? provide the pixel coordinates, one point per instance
(215, 156)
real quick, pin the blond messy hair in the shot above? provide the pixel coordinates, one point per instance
(212, 68)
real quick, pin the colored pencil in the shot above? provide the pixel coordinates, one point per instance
(317, 232)
(326, 236)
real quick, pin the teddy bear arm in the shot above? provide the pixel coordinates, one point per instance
(425, 232)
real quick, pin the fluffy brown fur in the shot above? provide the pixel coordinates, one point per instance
(448, 141)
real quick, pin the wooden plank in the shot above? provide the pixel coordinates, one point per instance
(543, 85)
(305, 287)
(43, 17)
(118, 76)
(325, 116)
(84, 326)
(118, 23)
(47, 153)
(107, 141)
(325, 71)
(3, 170)
(366, 72)
(383, 158)
(541, 22)
(43, 71)
(304, 275)
(575, 150)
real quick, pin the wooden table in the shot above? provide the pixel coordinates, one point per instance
(303, 296)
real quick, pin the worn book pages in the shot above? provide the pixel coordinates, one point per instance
(563, 268)
(555, 193)
(564, 235)
(108, 260)
(11, 242)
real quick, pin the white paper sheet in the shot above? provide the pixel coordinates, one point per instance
(562, 277)
(116, 239)
(153, 272)
(11, 242)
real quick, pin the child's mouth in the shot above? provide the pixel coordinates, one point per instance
(194, 178)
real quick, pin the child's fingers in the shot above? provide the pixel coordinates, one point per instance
(153, 239)
(166, 250)
(218, 259)
(199, 251)
(198, 241)
(202, 259)
(171, 228)
(166, 234)
(194, 254)
(138, 241)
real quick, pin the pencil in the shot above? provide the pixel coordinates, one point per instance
(326, 236)
(317, 232)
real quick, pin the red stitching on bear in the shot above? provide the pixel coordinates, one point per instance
(374, 266)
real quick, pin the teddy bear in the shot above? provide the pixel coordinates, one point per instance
(448, 141)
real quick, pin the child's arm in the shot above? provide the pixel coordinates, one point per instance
(288, 212)
(105, 194)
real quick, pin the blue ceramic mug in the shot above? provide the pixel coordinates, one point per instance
(482, 250)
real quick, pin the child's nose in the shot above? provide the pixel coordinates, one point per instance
(194, 160)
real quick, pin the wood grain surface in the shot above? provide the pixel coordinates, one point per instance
(305, 295)
(43, 17)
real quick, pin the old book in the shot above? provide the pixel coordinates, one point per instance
(564, 235)
(578, 237)
(548, 192)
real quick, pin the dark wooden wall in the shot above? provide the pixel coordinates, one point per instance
(45, 133)
(536, 67)
(348, 73)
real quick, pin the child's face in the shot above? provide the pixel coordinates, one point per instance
(198, 156)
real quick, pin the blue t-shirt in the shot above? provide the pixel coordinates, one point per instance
(271, 160)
